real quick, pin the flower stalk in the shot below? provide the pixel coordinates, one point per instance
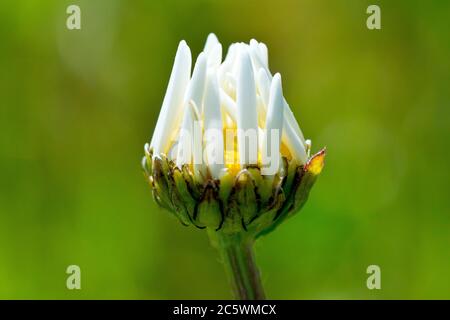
(237, 256)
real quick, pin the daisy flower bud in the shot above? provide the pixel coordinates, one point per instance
(227, 152)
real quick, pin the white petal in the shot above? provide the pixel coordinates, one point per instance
(291, 138)
(257, 61)
(260, 138)
(185, 141)
(240, 47)
(295, 145)
(195, 110)
(246, 110)
(212, 115)
(228, 104)
(261, 111)
(229, 84)
(173, 151)
(196, 87)
(264, 85)
(274, 121)
(264, 54)
(253, 44)
(308, 147)
(213, 136)
(290, 121)
(264, 79)
(231, 54)
(211, 42)
(197, 143)
(228, 61)
(171, 110)
(215, 56)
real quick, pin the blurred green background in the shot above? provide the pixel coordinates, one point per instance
(77, 107)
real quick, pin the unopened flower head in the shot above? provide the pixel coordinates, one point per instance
(227, 152)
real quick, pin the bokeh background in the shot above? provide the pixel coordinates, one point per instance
(76, 108)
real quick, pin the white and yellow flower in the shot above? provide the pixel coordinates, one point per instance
(227, 152)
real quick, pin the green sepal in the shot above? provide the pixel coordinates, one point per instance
(185, 197)
(244, 196)
(264, 221)
(304, 179)
(209, 212)
(310, 173)
(160, 183)
(192, 185)
(166, 190)
(148, 158)
(290, 171)
(226, 183)
(247, 202)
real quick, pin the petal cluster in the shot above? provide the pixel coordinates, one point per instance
(227, 114)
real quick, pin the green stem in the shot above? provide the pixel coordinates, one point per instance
(236, 252)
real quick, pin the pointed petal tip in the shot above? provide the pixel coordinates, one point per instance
(264, 53)
(263, 47)
(170, 113)
(276, 91)
(184, 53)
(210, 43)
(212, 36)
(277, 79)
(183, 46)
(246, 79)
(201, 56)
